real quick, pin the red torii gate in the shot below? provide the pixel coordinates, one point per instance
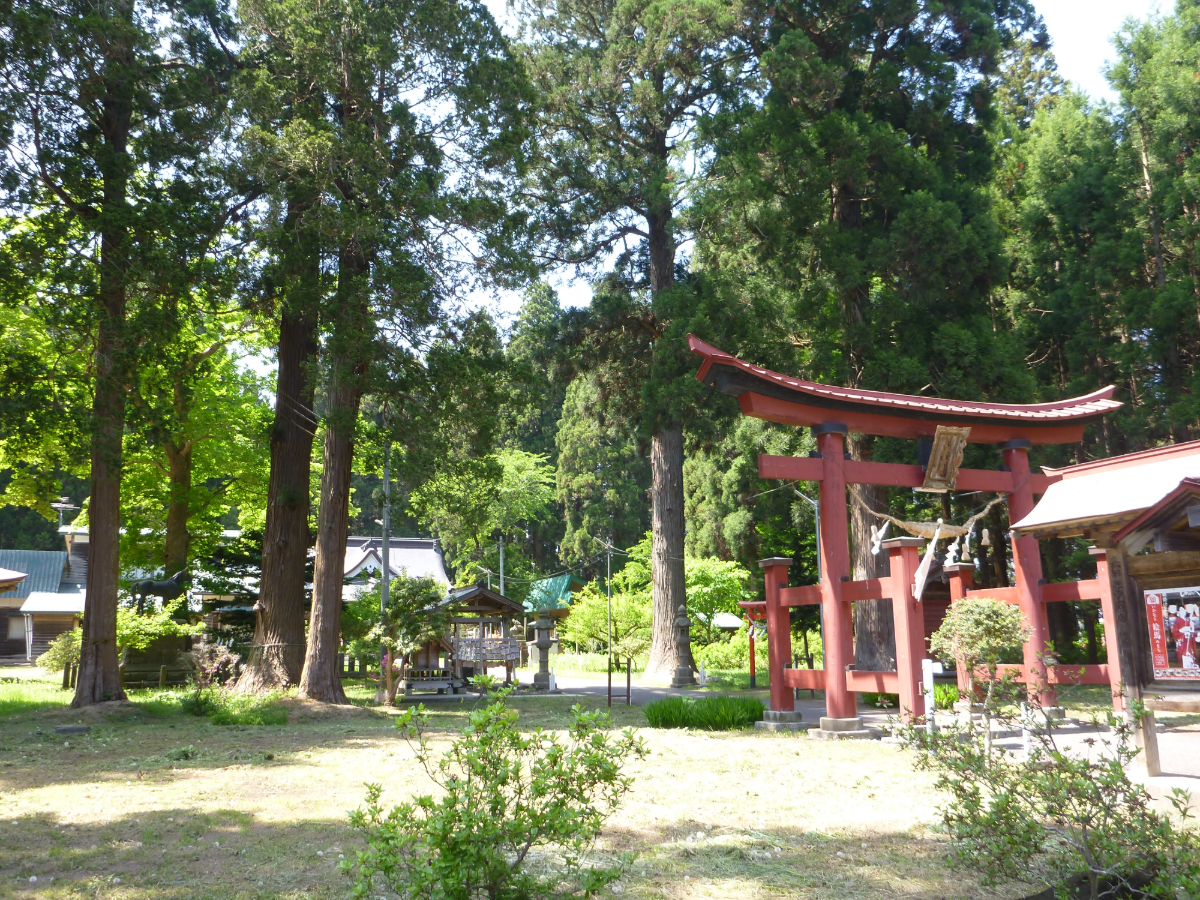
(831, 413)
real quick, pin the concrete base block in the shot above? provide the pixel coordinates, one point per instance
(765, 725)
(828, 724)
(844, 730)
(862, 734)
(782, 720)
(789, 715)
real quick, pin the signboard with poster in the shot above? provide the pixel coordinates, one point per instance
(1174, 619)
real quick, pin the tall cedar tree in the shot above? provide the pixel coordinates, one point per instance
(107, 110)
(276, 656)
(407, 92)
(540, 371)
(1100, 207)
(860, 179)
(622, 85)
(286, 144)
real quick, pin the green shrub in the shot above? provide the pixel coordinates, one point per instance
(225, 707)
(160, 704)
(945, 696)
(732, 654)
(670, 712)
(250, 709)
(515, 816)
(708, 713)
(62, 652)
(1068, 817)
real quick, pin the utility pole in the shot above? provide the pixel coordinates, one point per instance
(608, 590)
(501, 564)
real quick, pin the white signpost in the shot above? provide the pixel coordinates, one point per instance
(929, 668)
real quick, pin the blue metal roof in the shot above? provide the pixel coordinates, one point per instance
(43, 570)
(553, 593)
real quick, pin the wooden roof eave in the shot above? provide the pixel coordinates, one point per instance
(1090, 529)
(1161, 516)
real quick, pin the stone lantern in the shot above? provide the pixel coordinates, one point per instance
(682, 627)
(542, 627)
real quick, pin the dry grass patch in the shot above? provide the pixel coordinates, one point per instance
(175, 807)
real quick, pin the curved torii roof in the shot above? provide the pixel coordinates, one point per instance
(793, 401)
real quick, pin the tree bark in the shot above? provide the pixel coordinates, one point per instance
(321, 678)
(179, 468)
(276, 657)
(99, 675)
(874, 629)
(668, 586)
(999, 551)
(662, 252)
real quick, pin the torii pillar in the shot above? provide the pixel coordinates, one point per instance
(1027, 564)
(840, 702)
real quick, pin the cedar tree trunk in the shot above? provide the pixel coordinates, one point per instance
(276, 657)
(999, 551)
(874, 629)
(99, 676)
(668, 586)
(668, 589)
(321, 678)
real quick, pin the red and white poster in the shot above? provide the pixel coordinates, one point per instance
(1174, 620)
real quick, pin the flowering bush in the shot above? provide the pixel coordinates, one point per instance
(215, 664)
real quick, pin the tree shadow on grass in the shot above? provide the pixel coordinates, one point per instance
(173, 853)
(126, 743)
(698, 859)
(176, 853)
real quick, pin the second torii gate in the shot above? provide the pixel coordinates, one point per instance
(832, 412)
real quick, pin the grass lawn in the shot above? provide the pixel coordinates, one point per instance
(156, 803)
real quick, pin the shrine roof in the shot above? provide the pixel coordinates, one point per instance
(1106, 495)
(737, 377)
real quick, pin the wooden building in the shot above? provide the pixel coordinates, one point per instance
(1141, 512)
(480, 637)
(36, 609)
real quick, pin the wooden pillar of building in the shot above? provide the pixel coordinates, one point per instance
(779, 632)
(1116, 602)
(840, 703)
(1114, 636)
(1027, 563)
(962, 579)
(909, 620)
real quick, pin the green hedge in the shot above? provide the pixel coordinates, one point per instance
(708, 713)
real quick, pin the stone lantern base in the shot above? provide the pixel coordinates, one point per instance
(683, 677)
